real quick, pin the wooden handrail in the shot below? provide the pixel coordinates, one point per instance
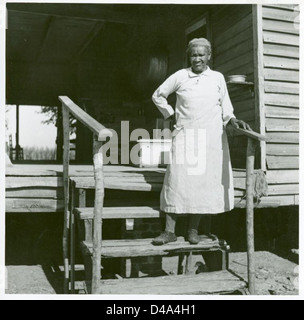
(98, 129)
(251, 134)
(253, 139)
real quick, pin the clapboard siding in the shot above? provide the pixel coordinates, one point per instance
(281, 87)
(281, 38)
(287, 14)
(283, 177)
(281, 63)
(280, 149)
(281, 75)
(281, 112)
(282, 125)
(283, 137)
(281, 50)
(283, 162)
(280, 25)
(284, 100)
(232, 33)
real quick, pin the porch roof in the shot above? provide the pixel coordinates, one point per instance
(45, 41)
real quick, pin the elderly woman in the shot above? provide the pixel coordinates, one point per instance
(203, 110)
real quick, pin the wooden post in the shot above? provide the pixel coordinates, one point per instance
(98, 209)
(59, 139)
(66, 160)
(17, 132)
(250, 213)
(72, 238)
(188, 263)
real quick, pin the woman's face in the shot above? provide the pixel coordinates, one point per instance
(199, 58)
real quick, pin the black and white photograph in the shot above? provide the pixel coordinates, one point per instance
(151, 149)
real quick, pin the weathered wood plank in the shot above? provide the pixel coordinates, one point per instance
(281, 50)
(228, 69)
(121, 212)
(281, 87)
(35, 193)
(251, 134)
(201, 284)
(235, 39)
(280, 26)
(246, 115)
(32, 182)
(259, 79)
(281, 112)
(97, 128)
(236, 51)
(243, 24)
(271, 202)
(281, 63)
(118, 184)
(33, 205)
(289, 7)
(282, 149)
(283, 100)
(145, 248)
(222, 20)
(281, 75)
(280, 14)
(242, 64)
(281, 38)
(17, 170)
(122, 243)
(245, 105)
(283, 137)
(280, 162)
(282, 176)
(282, 125)
(284, 189)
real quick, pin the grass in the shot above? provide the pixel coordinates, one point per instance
(41, 153)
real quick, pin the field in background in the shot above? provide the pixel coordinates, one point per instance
(39, 153)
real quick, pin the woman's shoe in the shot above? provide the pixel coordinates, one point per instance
(193, 237)
(164, 238)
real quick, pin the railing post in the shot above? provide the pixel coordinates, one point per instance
(66, 161)
(250, 213)
(98, 209)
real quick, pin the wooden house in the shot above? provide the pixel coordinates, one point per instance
(110, 58)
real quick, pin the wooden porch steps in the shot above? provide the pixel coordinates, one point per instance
(144, 247)
(120, 212)
(211, 283)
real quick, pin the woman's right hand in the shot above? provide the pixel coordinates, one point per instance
(173, 121)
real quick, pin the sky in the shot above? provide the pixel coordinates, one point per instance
(32, 132)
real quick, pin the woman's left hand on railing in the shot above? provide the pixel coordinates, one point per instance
(239, 124)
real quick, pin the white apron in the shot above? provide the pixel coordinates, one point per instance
(199, 179)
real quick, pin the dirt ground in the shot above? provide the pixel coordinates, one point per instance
(275, 276)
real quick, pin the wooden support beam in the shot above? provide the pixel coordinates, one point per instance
(86, 119)
(257, 24)
(50, 25)
(250, 213)
(83, 13)
(66, 160)
(98, 210)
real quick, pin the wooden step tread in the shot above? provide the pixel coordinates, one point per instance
(211, 283)
(153, 211)
(120, 212)
(145, 248)
(122, 183)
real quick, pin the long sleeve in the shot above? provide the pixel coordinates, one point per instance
(228, 111)
(162, 93)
